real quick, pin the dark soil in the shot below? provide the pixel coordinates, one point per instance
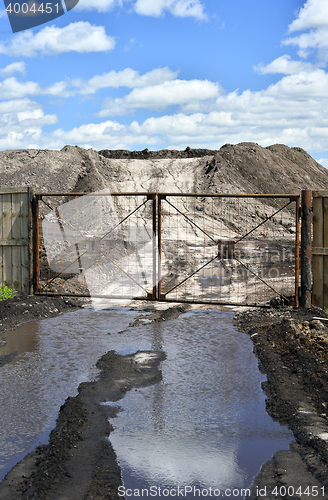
(145, 154)
(291, 346)
(19, 310)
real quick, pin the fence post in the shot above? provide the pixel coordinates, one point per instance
(36, 258)
(154, 202)
(306, 253)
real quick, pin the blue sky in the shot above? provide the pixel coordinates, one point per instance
(131, 74)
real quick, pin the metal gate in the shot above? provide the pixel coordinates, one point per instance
(97, 244)
(199, 248)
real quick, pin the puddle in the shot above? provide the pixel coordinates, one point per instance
(204, 425)
(55, 356)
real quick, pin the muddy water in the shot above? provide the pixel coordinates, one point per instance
(204, 425)
(55, 356)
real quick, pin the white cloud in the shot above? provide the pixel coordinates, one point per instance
(314, 14)
(288, 112)
(323, 162)
(125, 78)
(300, 87)
(129, 45)
(99, 5)
(313, 18)
(11, 88)
(57, 89)
(90, 135)
(159, 97)
(21, 123)
(36, 115)
(284, 65)
(76, 37)
(154, 8)
(18, 105)
(315, 39)
(16, 67)
(178, 8)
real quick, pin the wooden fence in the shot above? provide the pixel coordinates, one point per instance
(16, 263)
(320, 248)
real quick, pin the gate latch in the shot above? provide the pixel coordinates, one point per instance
(226, 249)
(93, 244)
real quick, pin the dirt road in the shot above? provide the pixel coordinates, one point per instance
(79, 463)
(291, 346)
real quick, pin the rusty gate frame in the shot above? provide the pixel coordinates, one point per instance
(291, 197)
(36, 242)
(157, 198)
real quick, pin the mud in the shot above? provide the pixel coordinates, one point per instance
(291, 346)
(19, 310)
(23, 309)
(79, 462)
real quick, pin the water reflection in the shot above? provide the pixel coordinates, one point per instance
(55, 356)
(25, 339)
(205, 424)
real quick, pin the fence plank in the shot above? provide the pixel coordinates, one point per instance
(320, 194)
(325, 257)
(1, 236)
(26, 256)
(7, 255)
(15, 235)
(318, 241)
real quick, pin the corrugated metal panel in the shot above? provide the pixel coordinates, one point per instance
(16, 238)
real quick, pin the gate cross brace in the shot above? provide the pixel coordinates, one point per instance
(263, 222)
(191, 221)
(258, 277)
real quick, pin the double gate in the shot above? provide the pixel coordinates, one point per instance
(201, 248)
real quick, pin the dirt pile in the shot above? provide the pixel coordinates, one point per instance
(241, 168)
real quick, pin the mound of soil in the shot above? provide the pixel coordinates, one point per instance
(240, 168)
(19, 310)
